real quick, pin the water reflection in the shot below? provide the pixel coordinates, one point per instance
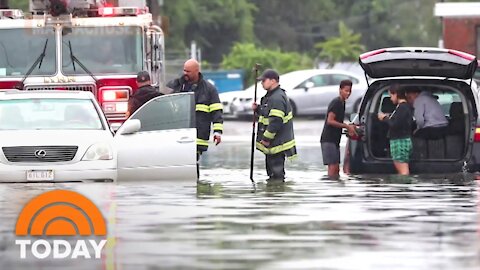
(237, 156)
(225, 222)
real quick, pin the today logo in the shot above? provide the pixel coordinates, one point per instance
(60, 213)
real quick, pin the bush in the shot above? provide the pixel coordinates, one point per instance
(246, 55)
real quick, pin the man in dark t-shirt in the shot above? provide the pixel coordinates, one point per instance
(332, 130)
(144, 93)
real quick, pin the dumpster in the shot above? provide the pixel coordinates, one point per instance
(225, 80)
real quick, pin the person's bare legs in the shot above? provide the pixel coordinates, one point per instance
(402, 168)
(346, 161)
(333, 171)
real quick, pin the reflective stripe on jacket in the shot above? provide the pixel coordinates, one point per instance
(208, 108)
(275, 124)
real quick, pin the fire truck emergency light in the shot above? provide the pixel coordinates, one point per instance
(121, 11)
(11, 13)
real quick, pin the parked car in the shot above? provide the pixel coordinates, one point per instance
(447, 74)
(310, 92)
(63, 136)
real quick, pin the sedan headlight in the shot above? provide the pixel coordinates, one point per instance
(99, 151)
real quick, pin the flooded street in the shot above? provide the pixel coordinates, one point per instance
(225, 222)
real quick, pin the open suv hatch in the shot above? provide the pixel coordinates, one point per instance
(447, 74)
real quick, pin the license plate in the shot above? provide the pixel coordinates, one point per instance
(40, 175)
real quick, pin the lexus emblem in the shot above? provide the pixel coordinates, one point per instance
(40, 153)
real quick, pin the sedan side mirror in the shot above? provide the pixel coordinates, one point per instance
(130, 127)
(309, 85)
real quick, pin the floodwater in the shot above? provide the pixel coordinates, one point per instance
(226, 222)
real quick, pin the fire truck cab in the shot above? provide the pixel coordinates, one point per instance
(85, 45)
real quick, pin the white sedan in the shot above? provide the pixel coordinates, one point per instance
(63, 136)
(310, 92)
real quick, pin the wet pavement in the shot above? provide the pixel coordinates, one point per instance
(225, 222)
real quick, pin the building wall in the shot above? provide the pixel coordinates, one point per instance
(461, 34)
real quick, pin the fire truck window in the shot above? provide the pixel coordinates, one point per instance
(19, 48)
(103, 49)
(167, 112)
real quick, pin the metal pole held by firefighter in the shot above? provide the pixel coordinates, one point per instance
(255, 70)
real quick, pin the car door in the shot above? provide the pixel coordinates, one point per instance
(164, 147)
(317, 92)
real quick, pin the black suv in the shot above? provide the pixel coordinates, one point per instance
(447, 74)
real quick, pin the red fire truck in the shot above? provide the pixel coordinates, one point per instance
(85, 45)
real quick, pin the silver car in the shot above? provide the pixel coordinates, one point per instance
(62, 136)
(310, 92)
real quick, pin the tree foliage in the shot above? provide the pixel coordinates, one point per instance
(294, 25)
(214, 24)
(390, 23)
(20, 4)
(246, 55)
(345, 47)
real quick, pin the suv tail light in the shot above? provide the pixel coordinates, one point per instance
(463, 55)
(357, 137)
(372, 53)
(476, 138)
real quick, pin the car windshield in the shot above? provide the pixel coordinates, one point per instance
(102, 50)
(445, 98)
(293, 79)
(48, 114)
(19, 48)
(289, 80)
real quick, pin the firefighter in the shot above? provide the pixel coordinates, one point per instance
(144, 93)
(208, 107)
(275, 136)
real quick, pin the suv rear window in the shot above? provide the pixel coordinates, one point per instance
(451, 147)
(337, 78)
(444, 97)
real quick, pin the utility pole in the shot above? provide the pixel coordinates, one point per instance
(193, 50)
(441, 41)
(154, 7)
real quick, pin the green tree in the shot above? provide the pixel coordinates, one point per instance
(391, 23)
(293, 25)
(214, 24)
(345, 47)
(246, 55)
(20, 4)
